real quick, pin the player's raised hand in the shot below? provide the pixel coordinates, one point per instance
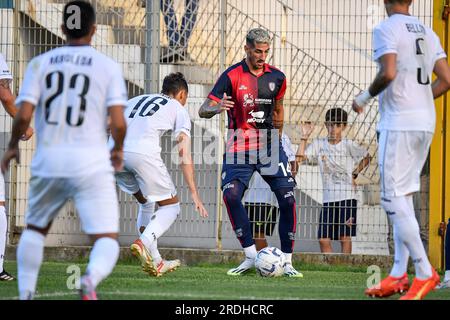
(8, 156)
(361, 100)
(225, 104)
(199, 206)
(307, 128)
(117, 159)
(28, 134)
(357, 108)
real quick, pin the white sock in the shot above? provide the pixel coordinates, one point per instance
(160, 223)
(401, 257)
(154, 252)
(30, 254)
(145, 212)
(401, 212)
(250, 252)
(102, 259)
(288, 258)
(3, 228)
(447, 275)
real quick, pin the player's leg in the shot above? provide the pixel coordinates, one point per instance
(282, 185)
(445, 284)
(4, 276)
(145, 213)
(237, 171)
(132, 180)
(96, 201)
(232, 196)
(161, 221)
(46, 196)
(156, 185)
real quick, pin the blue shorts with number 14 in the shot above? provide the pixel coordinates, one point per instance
(274, 169)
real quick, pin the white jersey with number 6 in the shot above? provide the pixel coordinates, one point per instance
(148, 117)
(407, 103)
(71, 88)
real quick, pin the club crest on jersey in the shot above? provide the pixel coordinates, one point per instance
(249, 101)
(272, 86)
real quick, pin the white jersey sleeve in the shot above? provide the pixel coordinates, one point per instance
(4, 70)
(31, 88)
(182, 122)
(439, 52)
(116, 93)
(384, 41)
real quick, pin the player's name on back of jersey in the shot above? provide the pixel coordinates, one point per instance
(69, 58)
(415, 28)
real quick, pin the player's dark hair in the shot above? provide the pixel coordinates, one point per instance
(336, 115)
(408, 2)
(174, 83)
(78, 22)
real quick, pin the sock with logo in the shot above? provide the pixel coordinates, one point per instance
(288, 218)
(232, 197)
(160, 222)
(406, 229)
(145, 213)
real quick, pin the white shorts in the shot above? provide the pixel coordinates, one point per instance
(2, 188)
(148, 174)
(401, 156)
(94, 196)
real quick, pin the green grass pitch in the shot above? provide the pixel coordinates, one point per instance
(204, 282)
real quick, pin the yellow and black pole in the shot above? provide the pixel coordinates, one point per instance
(439, 209)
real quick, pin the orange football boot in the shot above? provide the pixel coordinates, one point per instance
(420, 288)
(389, 286)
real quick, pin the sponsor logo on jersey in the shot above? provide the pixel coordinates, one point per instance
(242, 87)
(258, 117)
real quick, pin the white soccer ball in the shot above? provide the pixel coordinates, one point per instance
(269, 262)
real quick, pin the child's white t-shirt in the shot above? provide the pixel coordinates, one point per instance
(337, 162)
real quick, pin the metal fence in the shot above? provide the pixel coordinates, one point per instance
(323, 47)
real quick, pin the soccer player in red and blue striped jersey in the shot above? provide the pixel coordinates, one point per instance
(252, 92)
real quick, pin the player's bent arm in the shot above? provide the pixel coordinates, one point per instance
(442, 84)
(208, 109)
(118, 126)
(386, 74)
(7, 98)
(21, 122)
(278, 116)
(184, 152)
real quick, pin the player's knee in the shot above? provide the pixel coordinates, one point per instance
(232, 193)
(286, 199)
